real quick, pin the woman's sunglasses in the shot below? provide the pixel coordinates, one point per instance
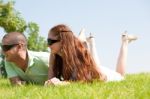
(7, 47)
(50, 41)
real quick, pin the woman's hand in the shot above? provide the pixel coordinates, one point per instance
(55, 81)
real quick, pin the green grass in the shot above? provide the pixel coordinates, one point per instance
(135, 86)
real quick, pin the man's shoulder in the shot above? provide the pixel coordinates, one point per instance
(41, 55)
(38, 53)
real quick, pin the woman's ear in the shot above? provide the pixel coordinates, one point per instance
(61, 41)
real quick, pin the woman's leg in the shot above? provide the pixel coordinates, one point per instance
(92, 49)
(122, 59)
(90, 44)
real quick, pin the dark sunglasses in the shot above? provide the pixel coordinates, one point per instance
(50, 41)
(8, 47)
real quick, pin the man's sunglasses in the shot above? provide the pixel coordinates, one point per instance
(50, 41)
(8, 47)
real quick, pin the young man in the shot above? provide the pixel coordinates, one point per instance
(22, 65)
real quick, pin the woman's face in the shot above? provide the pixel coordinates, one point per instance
(54, 44)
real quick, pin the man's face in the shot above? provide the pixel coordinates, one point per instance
(9, 49)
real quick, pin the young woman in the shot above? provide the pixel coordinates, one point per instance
(71, 60)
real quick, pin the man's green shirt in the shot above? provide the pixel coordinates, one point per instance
(37, 70)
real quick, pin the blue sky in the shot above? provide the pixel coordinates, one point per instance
(105, 19)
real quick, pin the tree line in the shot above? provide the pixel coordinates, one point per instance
(12, 21)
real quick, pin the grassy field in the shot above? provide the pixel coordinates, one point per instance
(135, 86)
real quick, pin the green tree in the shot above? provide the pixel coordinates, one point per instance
(11, 21)
(35, 42)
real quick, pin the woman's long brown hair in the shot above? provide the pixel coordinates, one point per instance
(76, 63)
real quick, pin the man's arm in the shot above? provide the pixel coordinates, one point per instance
(12, 74)
(16, 81)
